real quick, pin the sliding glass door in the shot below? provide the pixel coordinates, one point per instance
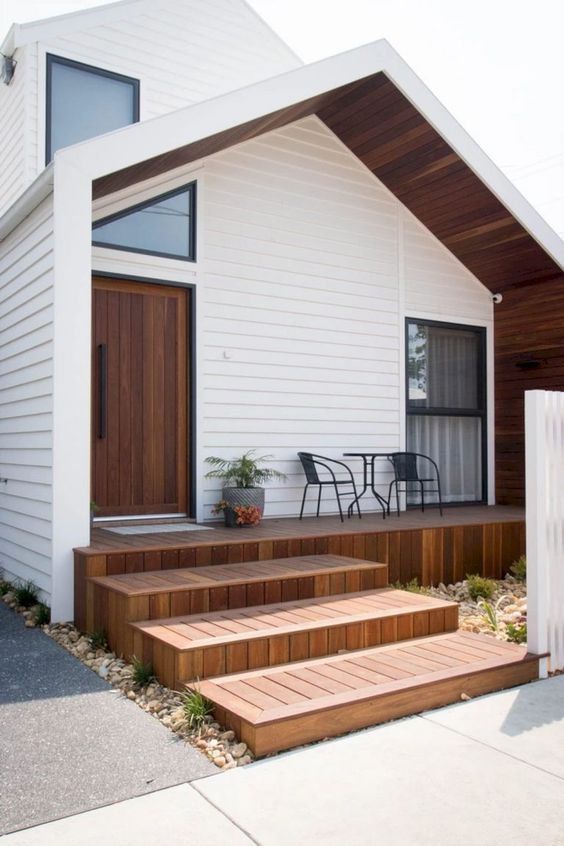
(446, 404)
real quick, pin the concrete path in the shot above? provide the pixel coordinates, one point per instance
(68, 742)
(480, 773)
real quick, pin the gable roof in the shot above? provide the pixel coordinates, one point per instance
(377, 106)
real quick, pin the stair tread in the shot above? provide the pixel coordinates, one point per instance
(268, 696)
(194, 631)
(224, 575)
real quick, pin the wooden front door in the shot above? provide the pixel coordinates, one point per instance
(139, 398)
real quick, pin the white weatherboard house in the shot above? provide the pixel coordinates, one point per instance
(207, 247)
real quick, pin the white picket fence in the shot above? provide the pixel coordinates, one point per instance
(544, 457)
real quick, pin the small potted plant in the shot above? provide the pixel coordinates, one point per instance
(242, 500)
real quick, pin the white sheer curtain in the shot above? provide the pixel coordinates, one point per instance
(452, 368)
(455, 444)
(448, 379)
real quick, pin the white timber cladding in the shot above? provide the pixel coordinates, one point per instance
(181, 53)
(303, 330)
(307, 267)
(13, 176)
(26, 399)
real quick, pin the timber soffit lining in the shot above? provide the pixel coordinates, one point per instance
(396, 143)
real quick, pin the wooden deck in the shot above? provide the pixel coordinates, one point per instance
(103, 540)
(282, 707)
(426, 546)
(200, 645)
(114, 601)
(315, 625)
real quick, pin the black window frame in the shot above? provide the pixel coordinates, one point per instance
(190, 187)
(481, 412)
(71, 63)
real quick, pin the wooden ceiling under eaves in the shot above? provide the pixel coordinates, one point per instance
(393, 139)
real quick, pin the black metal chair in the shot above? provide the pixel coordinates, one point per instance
(406, 471)
(310, 463)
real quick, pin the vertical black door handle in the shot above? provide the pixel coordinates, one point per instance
(102, 389)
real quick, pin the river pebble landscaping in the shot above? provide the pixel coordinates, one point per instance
(507, 609)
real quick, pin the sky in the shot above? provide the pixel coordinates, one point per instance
(495, 64)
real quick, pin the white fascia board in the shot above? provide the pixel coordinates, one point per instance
(59, 25)
(130, 145)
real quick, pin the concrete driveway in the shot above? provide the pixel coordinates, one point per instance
(479, 773)
(68, 741)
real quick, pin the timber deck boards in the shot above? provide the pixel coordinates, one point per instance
(253, 572)
(428, 547)
(281, 707)
(279, 529)
(112, 602)
(196, 646)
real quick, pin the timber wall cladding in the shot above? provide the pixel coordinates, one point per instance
(444, 554)
(529, 328)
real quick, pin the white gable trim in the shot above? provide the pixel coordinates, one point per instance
(116, 150)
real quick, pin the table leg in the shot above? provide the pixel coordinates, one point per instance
(364, 489)
(380, 499)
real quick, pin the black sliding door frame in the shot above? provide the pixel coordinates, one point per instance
(480, 413)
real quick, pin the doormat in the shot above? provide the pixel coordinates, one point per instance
(156, 528)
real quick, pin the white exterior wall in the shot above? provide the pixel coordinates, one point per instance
(182, 53)
(26, 402)
(15, 141)
(307, 267)
(310, 266)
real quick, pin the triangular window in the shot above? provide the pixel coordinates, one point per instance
(163, 226)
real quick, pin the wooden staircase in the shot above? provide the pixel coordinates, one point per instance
(294, 650)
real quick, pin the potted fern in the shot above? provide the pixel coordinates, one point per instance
(242, 500)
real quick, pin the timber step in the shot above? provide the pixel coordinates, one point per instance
(285, 706)
(183, 648)
(114, 601)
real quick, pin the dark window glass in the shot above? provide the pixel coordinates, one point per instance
(446, 405)
(443, 367)
(163, 226)
(83, 102)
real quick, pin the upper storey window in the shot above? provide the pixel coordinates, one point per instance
(83, 101)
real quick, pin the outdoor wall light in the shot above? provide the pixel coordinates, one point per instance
(7, 67)
(528, 364)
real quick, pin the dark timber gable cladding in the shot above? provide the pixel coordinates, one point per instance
(396, 143)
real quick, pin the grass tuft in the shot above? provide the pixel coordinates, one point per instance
(25, 594)
(5, 587)
(142, 673)
(196, 707)
(479, 587)
(517, 632)
(489, 613)
(98, 640)
(42, 614)
(412, 586)
(519, 569)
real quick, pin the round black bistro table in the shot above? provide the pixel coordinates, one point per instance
(368, 461)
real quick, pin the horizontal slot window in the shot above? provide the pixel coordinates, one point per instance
(162, 226)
